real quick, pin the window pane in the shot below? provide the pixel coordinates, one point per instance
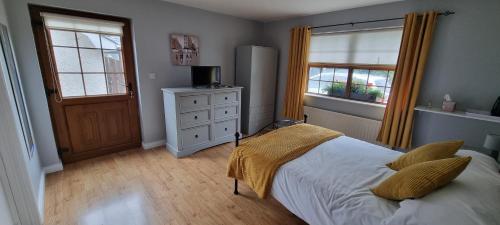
(95, 84)
(337, 89)
(377, 78)
(327, 74)
(313, 86)
(341, 75)
(376, 94)
(71, 85)
(314, 73)
(324, 87)
(390, 78)
(91, 60)
(116, 84)
(111, 41)
(358, 90)
(360, 76)
(113, 61)
(63, 38)
(88, 40)
(386, 95)
(67, 59)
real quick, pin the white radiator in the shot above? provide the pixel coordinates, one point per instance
(352, 126)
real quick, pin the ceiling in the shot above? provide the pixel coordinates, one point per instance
(271, 10)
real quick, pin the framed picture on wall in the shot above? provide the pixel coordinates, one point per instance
(184, 49)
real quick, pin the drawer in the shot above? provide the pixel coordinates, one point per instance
(225, 112)
(195, 136)
(225, 98)
(190, 118)
(193, 101)
(225, 128)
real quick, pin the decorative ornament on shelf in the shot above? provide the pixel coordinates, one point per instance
(448, 104)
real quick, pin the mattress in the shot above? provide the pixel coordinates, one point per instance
(331, 185)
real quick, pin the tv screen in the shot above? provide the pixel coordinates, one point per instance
(205, 75)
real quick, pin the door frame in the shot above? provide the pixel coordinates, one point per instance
(42, 50)
(14, 174)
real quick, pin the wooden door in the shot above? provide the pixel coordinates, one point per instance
(89, 81)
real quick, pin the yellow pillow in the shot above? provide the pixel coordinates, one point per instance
(421, 179)
(434, 151)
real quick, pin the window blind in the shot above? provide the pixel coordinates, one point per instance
(57, 21)
(377, 47)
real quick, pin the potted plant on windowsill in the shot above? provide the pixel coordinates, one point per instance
(360, 93)
(375, 93)
(335, 89)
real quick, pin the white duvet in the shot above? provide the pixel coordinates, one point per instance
(330, 185)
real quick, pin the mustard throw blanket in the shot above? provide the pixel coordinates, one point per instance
(256, 161)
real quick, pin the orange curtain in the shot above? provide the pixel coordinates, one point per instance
(397, 126)
(296, 84)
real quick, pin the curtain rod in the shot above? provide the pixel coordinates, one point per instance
(445, 13)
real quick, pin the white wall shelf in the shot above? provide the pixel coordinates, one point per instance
(461, 114)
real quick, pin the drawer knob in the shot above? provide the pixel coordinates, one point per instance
(195, 136)
(225, 112)
(225, 129)
(225, 98)
(195, 102)
(195, 117)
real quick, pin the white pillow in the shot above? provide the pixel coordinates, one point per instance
(480, 158)
(472, 198)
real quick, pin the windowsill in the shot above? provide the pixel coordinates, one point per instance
(346, 100)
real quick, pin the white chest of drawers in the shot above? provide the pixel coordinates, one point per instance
(197, 118)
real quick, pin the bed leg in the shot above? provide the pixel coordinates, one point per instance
(305, 118)
(237, 138)
(235, 187)
(237, 142)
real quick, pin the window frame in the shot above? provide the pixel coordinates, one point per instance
(350, 67)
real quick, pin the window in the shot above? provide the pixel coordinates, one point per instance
(87, 55)
(355, 65)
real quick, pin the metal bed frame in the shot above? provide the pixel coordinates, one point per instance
(237, 143)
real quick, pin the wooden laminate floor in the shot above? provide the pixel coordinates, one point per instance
(152, 187)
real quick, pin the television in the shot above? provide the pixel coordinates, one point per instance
(205, 76)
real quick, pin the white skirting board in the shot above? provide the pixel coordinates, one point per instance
(352, 126)
(56, 167)
(153, 144)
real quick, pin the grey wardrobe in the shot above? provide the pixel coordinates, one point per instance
(256, 69)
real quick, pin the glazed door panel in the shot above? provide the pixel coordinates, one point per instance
(89, 78)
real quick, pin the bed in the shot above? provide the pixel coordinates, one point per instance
(330, 185)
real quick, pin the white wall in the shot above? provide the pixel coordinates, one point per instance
(463, 61)
(19, 167)
(5, 215)
(10, 130)
(152, 23)
(3, 13)
(464, 55)
(13, 150)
